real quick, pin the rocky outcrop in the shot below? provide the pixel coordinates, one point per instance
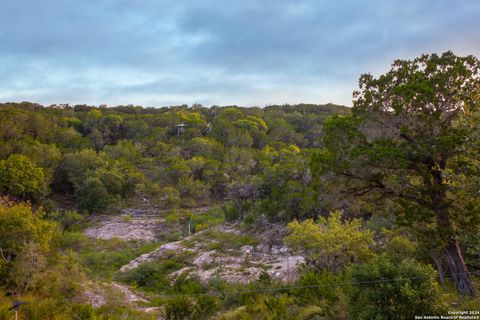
(207, 256)
(126, 227)
(241, 266)
(172, 247)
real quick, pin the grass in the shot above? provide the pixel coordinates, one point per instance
(102, 258)
(223, 241)
(153, 276)
(206, 220)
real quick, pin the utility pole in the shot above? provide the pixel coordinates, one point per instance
(189, 224)
(288, 269)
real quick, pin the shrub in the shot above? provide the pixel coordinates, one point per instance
(330, 243)
(152, 275)
(311, 313)
(93, 196)
(384, 290)
(179, 308)
(203, 221)
(323, 294)
(187, 284)
(205, 306)
(43, 309)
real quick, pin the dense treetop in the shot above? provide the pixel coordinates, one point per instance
(101, 157)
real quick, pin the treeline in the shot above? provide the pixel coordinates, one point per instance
(98, 158)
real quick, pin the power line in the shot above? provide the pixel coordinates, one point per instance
(220, 294)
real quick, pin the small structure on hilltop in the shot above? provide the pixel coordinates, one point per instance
(180, 128)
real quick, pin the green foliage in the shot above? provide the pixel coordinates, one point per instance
(271, 307)
(43, 309)
(180, 308)
(19, 176)
(398, 247)
(68, 219)
(408, 141)
(287, 184)
(330, 243)
(218, 240)
(194, 192)
(323, 292)
(102, 258)
(205, 147)
(384, 290)
(93, 196)
(206, 220)
(20, 226)
(98, 181)
(78, 165)
(125, 149)
(107, 157)
(151, 276)
(256, 164)
(251, 123)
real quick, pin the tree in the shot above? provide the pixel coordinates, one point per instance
(205, 147)
(287, 190)
(125, 149)
(25, 240)
(19, 176)
(242, 192)
(404, 140)
(20, 226)
(27, 265)
(77, 165)
(329, 243)
(93, 196)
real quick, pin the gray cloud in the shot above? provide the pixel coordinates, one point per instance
(216, 52)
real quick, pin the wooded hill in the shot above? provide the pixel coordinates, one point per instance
(102, 158)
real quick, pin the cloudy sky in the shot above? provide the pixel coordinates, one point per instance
(245, 52)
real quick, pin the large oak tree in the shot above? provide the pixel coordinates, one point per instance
(406, 140)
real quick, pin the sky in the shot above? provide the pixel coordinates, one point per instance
(217, 52)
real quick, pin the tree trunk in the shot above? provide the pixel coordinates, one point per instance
(438, 264)
(451, 251)
(458, 269)
(453, 256)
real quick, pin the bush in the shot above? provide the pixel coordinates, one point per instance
(205, 306)
(187, 284)
(329, 297)
(268, 307)
(405, 290)
(331, 243)
(230, 212)
(68, 219)
(93, 196)
(179, 308)
(84, 312)
(311, 313)
(203, 221)
(5, 313)
(151, 276)
(43, 309)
